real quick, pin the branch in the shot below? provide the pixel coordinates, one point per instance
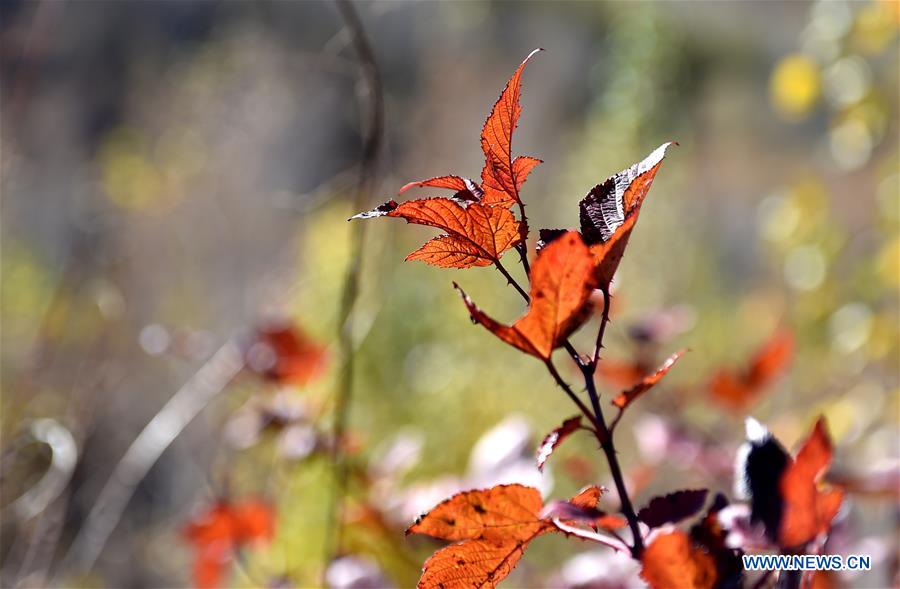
(604, 320)
(372, 105)
(602, 432)
(571, 394)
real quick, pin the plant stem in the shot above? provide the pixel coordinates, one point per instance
(604, 320)
(571, 394)
(512, 280)
(604, 436)
(372, 107)
(602, 432)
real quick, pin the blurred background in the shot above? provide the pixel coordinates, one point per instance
(175, 174)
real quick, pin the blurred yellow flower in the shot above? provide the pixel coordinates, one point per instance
(795, 86)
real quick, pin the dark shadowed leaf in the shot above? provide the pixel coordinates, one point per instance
(673, 508)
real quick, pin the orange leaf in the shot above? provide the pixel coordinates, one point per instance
(501, 178)
(495, 526)
(648, 382)
(555, 438)
(285, 354)
(449, 182)
(475, 563)
(478, 234)
(561, 285)
(498, 514)
(610, 210)
(671, 560)
(738, 390)
(222, 530)
(588, 497)
(807, 510)
(587, 500)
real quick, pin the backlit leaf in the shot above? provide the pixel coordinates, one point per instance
(501, 177)
(648, 382)
(475, 563)
(496, 514)
(561, 284)
(477, 235)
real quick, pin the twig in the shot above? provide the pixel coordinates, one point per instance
(571, 394)
(602, 432)
(604, 436)
(373, 109)
(604, 320)
(206, 384)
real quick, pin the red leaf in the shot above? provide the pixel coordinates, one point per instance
(285, 354)
(496, 514)
(495, 526)
(672, 560)
(808, 511)
(648, 382)
(555, 438)
(222, 530)
(738, 390)
(561, 285)
(673, 508)
(610, 210)
(474, 563)
(477, 235)
(589, 496)
(501, 178)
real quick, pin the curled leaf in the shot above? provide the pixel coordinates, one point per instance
(648, 382)
(610, 210)
(561, 285)
(555, 438)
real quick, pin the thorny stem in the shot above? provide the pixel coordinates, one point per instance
(511, 280)
(602, 432)
(604, 320)
(571, 394)
(523, 244)
(604, 436)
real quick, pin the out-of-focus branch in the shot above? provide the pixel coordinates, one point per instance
(204, 386)
(372, 110)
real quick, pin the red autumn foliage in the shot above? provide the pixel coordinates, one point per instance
(490, 529)
(221, 531)
(808, 510)
(285, 354)
(561, 285)
(555, 438)
(673, 560)
(739, 389)
(626, 397)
